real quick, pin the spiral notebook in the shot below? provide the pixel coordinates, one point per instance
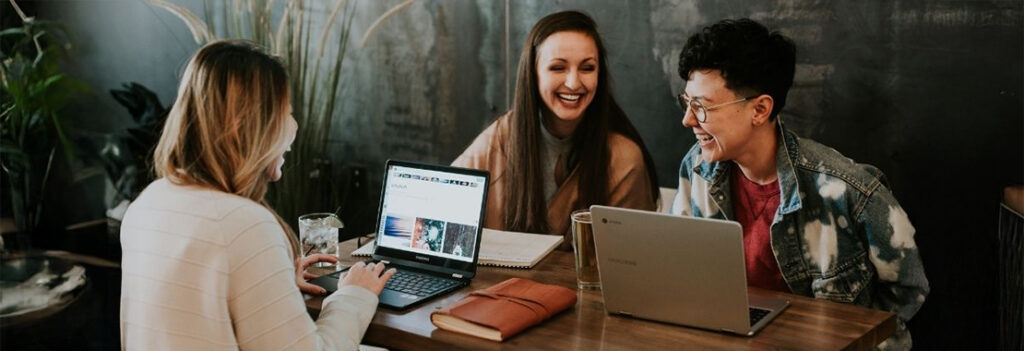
(500, 248)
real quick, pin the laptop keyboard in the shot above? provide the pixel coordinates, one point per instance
(413, 283)
(418, 284)
(756, 314)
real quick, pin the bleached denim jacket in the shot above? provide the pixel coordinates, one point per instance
(838, 234)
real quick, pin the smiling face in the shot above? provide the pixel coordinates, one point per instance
(728, 130)
(292, 127)
(567, 71)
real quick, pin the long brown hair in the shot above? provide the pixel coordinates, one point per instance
(524, 202)
(228, 124)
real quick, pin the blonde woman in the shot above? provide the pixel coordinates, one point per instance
(207, 265)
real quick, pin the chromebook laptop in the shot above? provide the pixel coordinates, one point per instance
(428, 227)
(679, 270)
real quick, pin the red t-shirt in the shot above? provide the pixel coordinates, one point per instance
(754, 206)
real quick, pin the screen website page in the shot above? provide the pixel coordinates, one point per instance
(431, 212)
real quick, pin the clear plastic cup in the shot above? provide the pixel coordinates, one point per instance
(318, 233)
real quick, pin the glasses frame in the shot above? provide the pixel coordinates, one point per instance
(700, 110)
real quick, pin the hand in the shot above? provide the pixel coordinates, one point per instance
(301, 275)
(367, 276)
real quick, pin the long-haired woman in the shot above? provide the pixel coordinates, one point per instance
(565, 144)
(206, 264)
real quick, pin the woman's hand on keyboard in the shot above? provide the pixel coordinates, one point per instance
(367, 276)
(302, 276)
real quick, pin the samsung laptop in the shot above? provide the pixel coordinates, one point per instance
(428, 227)
(679, 270)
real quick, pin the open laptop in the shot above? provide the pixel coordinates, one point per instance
(428, 227)
(679, 270)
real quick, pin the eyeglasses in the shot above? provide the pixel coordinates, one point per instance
(700, 111)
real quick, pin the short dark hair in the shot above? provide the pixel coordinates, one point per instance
(752, 59)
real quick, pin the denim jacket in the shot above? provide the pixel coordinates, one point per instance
(838, 234)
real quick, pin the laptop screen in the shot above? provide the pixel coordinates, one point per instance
(432, 211)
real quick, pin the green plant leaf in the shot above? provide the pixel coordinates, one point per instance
(40, 88)
(50, 81)
(34, 91)
(12, 156)
(13, 31)
(69, 151)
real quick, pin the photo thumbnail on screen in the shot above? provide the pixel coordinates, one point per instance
(398, 231)
(459, 239)
(428, 235)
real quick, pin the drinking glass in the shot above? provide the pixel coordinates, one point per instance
(318, 233)
(587, 277)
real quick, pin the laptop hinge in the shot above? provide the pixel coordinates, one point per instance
(456, 275)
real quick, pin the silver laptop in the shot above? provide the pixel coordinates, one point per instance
(679, 270)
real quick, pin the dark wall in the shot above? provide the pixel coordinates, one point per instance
(928, 91)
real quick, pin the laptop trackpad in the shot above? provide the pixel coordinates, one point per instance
(388, 297)
(397, 299)
(327, 281)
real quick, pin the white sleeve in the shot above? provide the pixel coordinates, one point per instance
(681, 201)
(267, 310)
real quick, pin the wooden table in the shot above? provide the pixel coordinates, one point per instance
(807, 324)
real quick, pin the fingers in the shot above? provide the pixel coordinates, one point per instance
(377, 269)
(356, 267)
(311, 289)
(302, 263)
(324, 258)
(305, 262)
(308, 276)
(380, 280)
(371, 276)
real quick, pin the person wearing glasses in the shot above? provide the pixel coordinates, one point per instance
(565, 144)
(815, 223)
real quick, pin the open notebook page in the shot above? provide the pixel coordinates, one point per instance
(504, 248)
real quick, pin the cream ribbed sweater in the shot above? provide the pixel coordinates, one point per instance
(207, 270)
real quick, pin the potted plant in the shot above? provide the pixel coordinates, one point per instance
(127, 155)
(314, 61)
(34, 90)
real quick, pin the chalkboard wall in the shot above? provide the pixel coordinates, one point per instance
(928, 91)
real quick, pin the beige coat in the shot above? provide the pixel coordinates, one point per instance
(628, 183)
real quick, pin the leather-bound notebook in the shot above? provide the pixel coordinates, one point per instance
(505, 309)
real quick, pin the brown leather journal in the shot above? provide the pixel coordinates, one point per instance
(505, 309)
